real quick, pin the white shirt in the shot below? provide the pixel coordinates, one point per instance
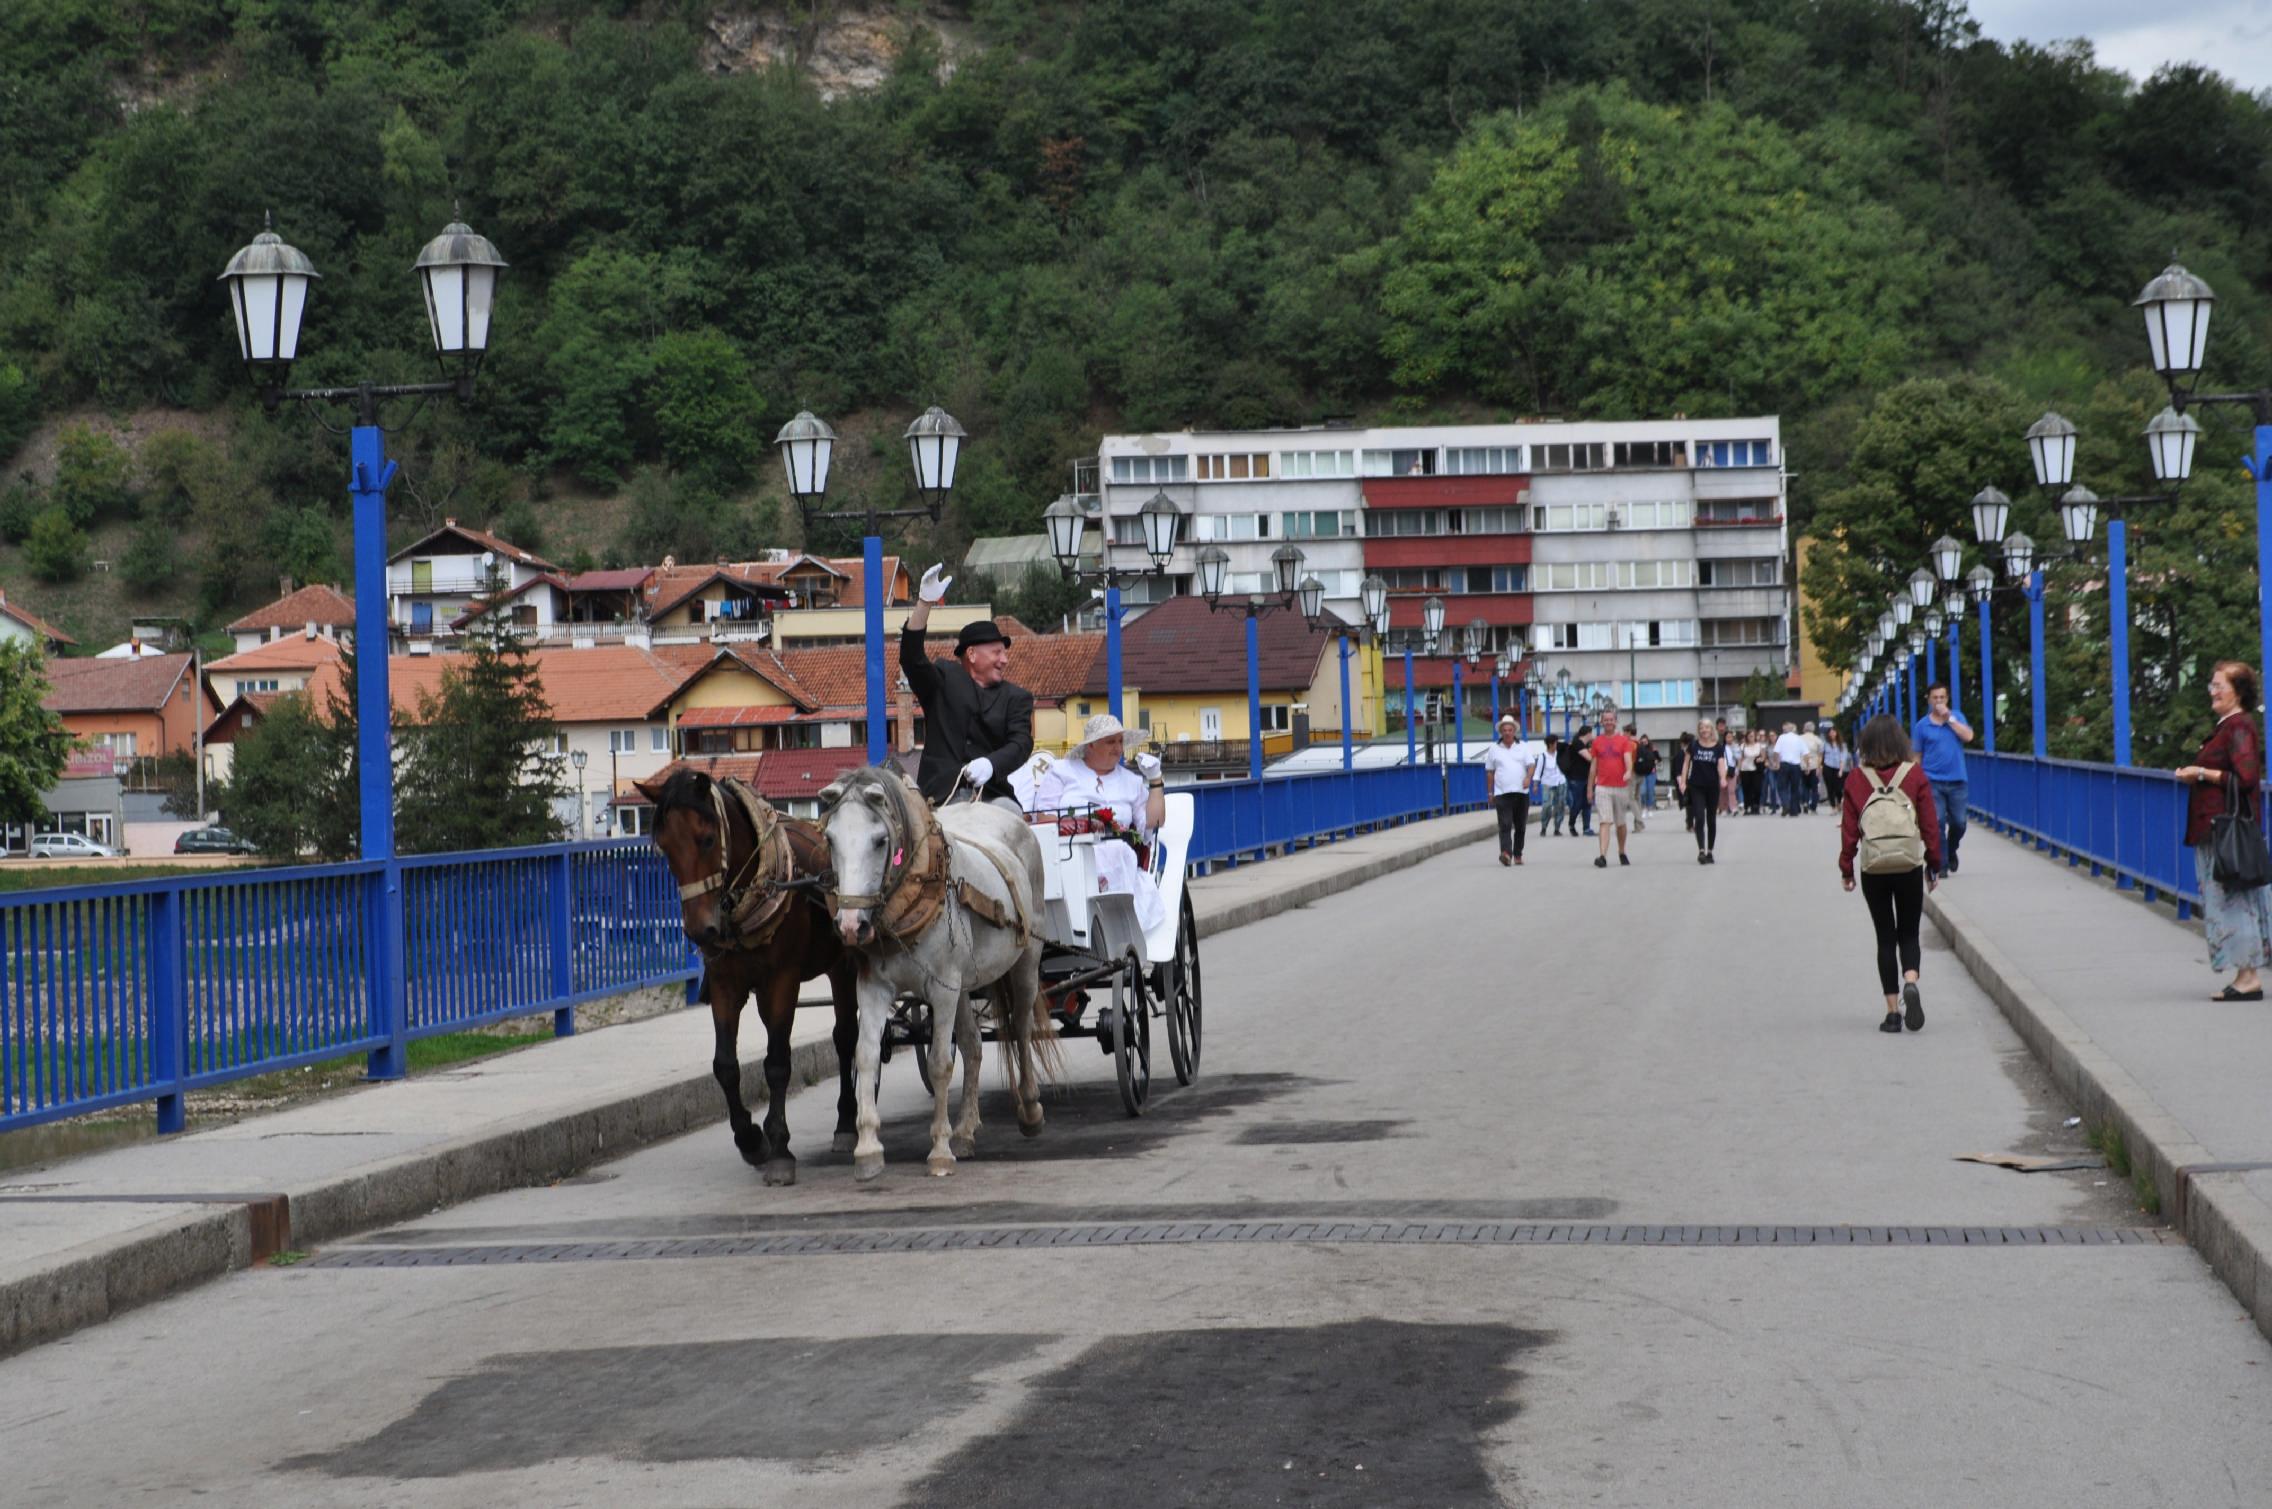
(1550, 771)
(1790, 748)
(1071, 783)
(1510, 765)
(1815, 747)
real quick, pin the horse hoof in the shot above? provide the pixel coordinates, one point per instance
(753, 1150)
(843, 1142)
(1030, 1128)
(782, 1170)
(963, 1147)
(868, 1169)
(941, 1167)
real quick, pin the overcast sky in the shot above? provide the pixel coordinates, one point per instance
(2234, 37)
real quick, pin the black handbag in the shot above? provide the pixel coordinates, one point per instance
(2237, 854)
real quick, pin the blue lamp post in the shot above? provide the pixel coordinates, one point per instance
(1920, 586)
(1372, 595)
(1952, 614)
(268, 286)
(1566, 698)
(1066, 523)
(934, 445)
(1982, 582)
(2019, 564)
(1293, 589)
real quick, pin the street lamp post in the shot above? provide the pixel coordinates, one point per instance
(268, 285)
(934, 447)
(1372, 595)
(1562, 685)
(1293, 589)
(1066, 523)
(578, 758)
(1982, 581)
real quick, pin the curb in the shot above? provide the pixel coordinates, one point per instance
(2212, 1207)
(103, 1278)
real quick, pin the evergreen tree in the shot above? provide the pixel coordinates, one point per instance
(479, 771)
(33, 741)
(284, 781)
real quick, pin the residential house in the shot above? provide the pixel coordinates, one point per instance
(140, 708)
(1184, 683)
(18, 622)
(790, 779)
(432, 581)
(720, 602)
(313, 610)
(279, 665)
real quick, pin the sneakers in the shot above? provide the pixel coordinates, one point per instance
(1600, 862)
(1915, 1015)
(1622, 859)
(1703, 858)
(1505, 858)
(1892, 1022)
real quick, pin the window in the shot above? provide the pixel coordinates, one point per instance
(118, 744)
(557, 744)
(1576, 637)
(1151, 468)
(1493, 520)
(623, 741)
(1721, 511)
(1655, 694)
(1569, 458)
(1645, 574)
(1742, 631)
(1561, 516)
(1412, 578)
(659, 739)
(1230, 526)
(1648, 453)
(632, 822)
(1392, 523)
(1734, 453)
(524, 615)
(1412, 463)
(1237, 466)
(1657, 633)
(1667, 515)
(1759, 572)
(1277, 718)
(1317, 464)
(1322, 524)
(1484, 460)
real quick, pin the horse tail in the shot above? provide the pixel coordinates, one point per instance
(1048, 1047)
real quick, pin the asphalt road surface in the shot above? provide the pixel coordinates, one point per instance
(1420, 1235)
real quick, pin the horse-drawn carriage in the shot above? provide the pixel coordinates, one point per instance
(1105, 975)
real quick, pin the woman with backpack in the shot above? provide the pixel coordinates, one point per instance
(2229, 766)
(1888, 826)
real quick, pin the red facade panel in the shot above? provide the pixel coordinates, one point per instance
(1450, 550)
(1443, 492)
(1495, 608)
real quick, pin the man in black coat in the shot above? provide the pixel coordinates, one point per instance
(978, 724)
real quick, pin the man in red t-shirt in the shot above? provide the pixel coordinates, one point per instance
(1610, 790)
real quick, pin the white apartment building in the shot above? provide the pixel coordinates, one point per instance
(1648, 558)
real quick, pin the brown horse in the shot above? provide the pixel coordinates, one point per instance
(752, 901)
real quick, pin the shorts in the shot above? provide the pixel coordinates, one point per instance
(1614, 805)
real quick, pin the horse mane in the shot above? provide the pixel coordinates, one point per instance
(686, 788)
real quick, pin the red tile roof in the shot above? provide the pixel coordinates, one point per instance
(293, 652)
(1180, 646)
(32, 621)
(134, 684)
(603, 684)
(480, 540)
(625, 580)
(669, 587)
(778, 775)
(296, 610)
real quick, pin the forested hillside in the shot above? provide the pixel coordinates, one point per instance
(1054, 218)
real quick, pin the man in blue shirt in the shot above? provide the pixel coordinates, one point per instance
(1940, 737)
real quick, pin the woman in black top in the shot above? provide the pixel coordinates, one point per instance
(1699, 788)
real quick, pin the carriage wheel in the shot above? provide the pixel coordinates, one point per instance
(1132, 1035)
(1183, 997)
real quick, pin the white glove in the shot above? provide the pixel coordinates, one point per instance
(1148, 765)
(979, 771)
(934, 587)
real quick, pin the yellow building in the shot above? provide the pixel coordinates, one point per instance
(1819, 683)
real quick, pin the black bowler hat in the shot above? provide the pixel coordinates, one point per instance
(983, 631)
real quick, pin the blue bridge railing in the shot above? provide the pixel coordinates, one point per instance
(149, 989)
(1238, 820)
(2122, 821)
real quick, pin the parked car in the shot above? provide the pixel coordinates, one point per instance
(212, 841)
(70, 846)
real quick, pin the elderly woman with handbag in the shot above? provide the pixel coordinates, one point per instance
(2222, 827)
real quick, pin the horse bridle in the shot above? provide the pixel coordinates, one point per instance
(902, 865)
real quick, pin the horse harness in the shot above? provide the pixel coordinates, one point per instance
(915, 885)
(757, 895)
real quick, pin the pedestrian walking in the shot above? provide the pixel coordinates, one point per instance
(1812, 786)
(1940, 737)
(1683, 753)
(1790, 769)
(1554, 789)
(1610, 759)
(1730, 781)
(1751, 771)
(1888, 825)
(1645, 780)
(1836, 758)
(1577, 769)
(1508, 766)
(1699, 790)
(2222, 781)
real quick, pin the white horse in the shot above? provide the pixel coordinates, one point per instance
(938, 926)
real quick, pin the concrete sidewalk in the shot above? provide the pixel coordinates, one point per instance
(84, 1239)
(2112, 994)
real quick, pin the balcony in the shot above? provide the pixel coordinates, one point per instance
(1730, 542)
(1742, 602)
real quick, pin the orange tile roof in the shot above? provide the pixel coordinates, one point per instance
(606, 683)
(33, 621)
(296, 610)
(132, 684)
(480, 539)
(291, 653)
(778, 775)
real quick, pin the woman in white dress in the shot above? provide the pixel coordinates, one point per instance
(1092, 776)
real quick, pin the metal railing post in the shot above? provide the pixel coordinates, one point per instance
(165, 969)
(562, 873)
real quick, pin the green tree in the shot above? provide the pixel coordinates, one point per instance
(94, 476)
(56, 549)
(479, 771)
(19, 408)
(33, 741)
(284, 780)
(20, 507)
(704, 405)
(153, 557)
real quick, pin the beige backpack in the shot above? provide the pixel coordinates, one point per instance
(1891, 841)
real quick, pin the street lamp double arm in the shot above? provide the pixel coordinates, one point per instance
(1067, 523)
(1293, 589)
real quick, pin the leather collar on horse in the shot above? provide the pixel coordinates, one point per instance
(758, 893)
